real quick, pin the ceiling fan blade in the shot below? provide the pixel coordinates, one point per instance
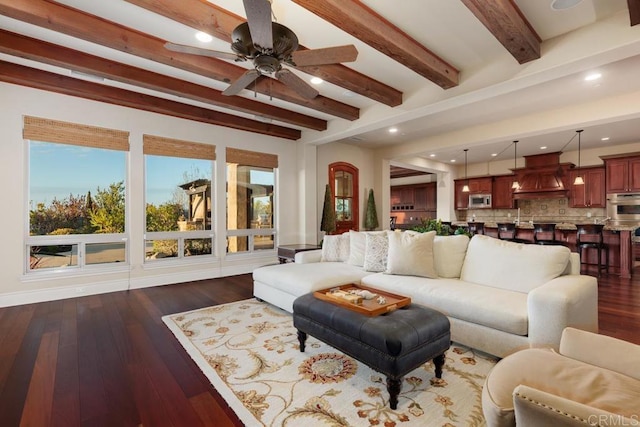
(296, 83)
(199, 51)
(329, 55)
(242, 82)
(259, 18)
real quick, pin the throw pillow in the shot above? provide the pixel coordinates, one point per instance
(411, 254)
(335, 248)
(357, 243)
(448, 254)
(376, 251)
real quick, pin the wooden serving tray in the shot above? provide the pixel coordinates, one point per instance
(369, 307)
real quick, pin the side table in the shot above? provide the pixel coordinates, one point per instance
(287, 253)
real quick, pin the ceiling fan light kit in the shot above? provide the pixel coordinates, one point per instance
(270, 45)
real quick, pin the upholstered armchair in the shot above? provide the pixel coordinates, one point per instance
(592, 380)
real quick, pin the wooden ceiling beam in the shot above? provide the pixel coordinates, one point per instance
(48, 53)
(506, 22)
(362, 22)
(44, 80)
(220, 23)
(91, 28)
(634, 11)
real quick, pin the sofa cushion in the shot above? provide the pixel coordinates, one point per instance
(513, 266)
(449, 253)
(545, 370)
(299, 279)
(376, 252)
(358, 246)
(495, 308)
(411, 254)
(335, 248)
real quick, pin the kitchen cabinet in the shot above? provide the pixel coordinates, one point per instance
(502, 194)
(480, 185)
(476, 186)
(425, 197)
(461, 199)
(590, 195)
(622, 174)
(402, 197)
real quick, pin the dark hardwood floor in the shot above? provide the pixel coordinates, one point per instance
(108, 360)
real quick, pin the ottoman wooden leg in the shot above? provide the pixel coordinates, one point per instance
(438, 361)
(394, 385)
(302, 337)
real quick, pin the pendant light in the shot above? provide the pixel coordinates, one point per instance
(465, 188)
(515, 184)
(579, 180)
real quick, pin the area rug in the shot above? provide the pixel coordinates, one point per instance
(249, 351)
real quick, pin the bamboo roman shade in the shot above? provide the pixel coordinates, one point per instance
(160, 146)
(252, 158)
(47, 130)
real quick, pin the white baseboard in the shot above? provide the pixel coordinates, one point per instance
(74, 291)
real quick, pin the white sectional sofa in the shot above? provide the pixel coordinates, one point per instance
(499, 296)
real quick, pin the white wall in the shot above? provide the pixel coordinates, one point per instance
(17, 101)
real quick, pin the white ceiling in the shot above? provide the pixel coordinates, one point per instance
(494, 88)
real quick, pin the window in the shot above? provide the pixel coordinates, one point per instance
(250, 201)
(179, 211)
(76, 193)
(344, 179)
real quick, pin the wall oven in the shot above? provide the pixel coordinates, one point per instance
(624, 208)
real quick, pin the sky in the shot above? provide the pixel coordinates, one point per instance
(56, 170)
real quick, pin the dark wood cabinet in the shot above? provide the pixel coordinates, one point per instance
(480, 185)
(502, 194)
(590, 195)
(461, 199)
(622, 174)
(418, 197)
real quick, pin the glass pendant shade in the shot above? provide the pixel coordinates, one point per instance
(579, 180)
(515, 185)
(465, 187)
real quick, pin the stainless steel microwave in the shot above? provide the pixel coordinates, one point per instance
(479, 201)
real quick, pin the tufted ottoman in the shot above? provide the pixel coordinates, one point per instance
(393, 344)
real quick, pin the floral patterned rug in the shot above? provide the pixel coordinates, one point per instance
(249, 351)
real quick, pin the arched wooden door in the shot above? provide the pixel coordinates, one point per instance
(343, 178)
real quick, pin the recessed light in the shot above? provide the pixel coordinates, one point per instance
(544, 147)
(432, 155)
(349, 93)
(494, 154)
(606, 138)
(393, 130)
(564, 4)
(203, 37)
(453, 160)
(316, 80)
(591, 77)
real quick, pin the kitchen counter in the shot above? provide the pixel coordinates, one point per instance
(619, 238)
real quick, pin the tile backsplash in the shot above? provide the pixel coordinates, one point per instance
(538, 210)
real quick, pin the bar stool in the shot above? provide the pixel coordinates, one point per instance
(507, 231)
(545, 234)
(476, 228)
(590, 236)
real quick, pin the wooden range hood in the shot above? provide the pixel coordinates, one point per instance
(543, 177)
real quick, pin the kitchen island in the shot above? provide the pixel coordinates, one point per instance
(618, 238)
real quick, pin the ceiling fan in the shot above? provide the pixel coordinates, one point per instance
(270, 45)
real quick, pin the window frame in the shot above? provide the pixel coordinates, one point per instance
(168, 147)
(257, 160)
(49, 131)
